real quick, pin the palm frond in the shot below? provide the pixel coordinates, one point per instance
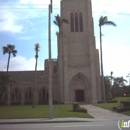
(59, 21)
(55, 22)
(65, 21)
(104, 21)
(5, 50)
(37, 46)
(14, 52)
(10, 47)
(109, 23)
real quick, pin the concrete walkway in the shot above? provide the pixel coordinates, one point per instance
(100, 113)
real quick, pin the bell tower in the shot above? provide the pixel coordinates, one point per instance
(78, 58)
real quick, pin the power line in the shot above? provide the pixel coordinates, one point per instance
(65, 9)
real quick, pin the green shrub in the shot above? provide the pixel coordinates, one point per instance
(75, 106)
(81, 109)
(119, 109)
(100, 102)
(114, 108)
(16, 103)
(125, 103)
(111, 101)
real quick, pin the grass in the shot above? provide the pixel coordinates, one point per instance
(41, 111)
(110, 106)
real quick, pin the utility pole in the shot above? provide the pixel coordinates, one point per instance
(50, 63)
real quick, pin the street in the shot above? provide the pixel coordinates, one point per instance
(98, 125)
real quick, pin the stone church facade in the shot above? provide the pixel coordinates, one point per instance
(76, 73)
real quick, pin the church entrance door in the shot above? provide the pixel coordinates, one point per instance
(79, 95)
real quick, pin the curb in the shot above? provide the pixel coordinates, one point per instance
(11, 121)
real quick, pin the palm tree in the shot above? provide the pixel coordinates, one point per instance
(37, 46)
(58, 22)
(103, 21)
(10, 49)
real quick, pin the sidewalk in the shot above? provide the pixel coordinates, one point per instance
(100, 113)
(45, 120)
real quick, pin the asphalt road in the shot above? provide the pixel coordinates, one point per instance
(99, 125)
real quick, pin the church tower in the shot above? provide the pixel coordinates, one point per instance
(78, 58)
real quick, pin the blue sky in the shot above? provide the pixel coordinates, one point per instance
(25, 22)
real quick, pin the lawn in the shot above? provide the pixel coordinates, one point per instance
(41, 111)
(111, 105)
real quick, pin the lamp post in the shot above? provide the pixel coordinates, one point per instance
(128, 76)
(50, 62)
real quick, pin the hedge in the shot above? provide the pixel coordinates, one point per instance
(77, 108)
(111, 101)
(119, 109)
(125, 103)
(81, 109)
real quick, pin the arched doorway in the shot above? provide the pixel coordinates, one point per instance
(79, 95)
(79, 88)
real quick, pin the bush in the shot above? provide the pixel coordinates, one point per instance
(125, 103)
(75, 106)
(119, 109)
(111, 101)
(81, 109)
(16, 103)
(100, 102)
(28, 103)
(115, 108)
(2, 103)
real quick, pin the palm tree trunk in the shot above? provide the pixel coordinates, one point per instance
(102, 75)
(5, 93)
(8, 63)
(35, 83)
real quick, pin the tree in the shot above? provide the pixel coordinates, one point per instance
(10, 49)
(59, 21)
(103, 21)
(5, 79)
(37, 46)
(120, 81)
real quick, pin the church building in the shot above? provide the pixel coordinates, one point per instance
(76, 72)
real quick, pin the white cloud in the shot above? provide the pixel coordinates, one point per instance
(53, 42)
(110, 6)
(53, 28)
(8, 22)
(20, 63)
(116, 59)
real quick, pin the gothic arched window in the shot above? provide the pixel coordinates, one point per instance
(72, 22)
(76, 23)
(81, 22)
(29, 93)
(43, 95)
(16, 95)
